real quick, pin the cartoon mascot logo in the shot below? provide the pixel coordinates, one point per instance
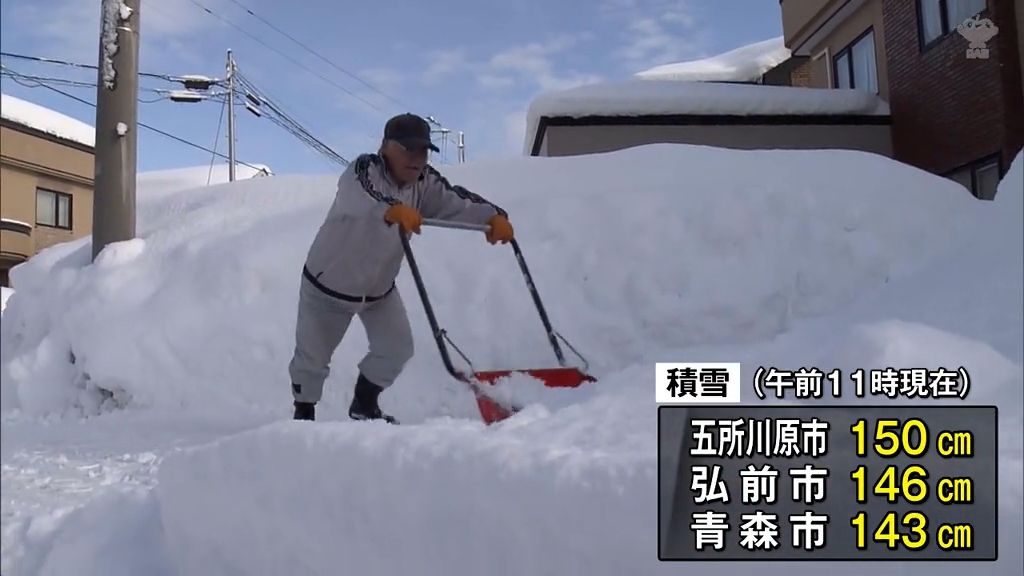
(978, 32)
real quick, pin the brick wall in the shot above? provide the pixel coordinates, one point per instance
(801, 75)
(947, 109)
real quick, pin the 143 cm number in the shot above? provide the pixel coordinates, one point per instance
(889, 533)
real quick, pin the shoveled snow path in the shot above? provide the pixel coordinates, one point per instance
(51, 467)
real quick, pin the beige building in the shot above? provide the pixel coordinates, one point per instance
(46, 181)
(747, 98)
(614, 116)
(843, 41)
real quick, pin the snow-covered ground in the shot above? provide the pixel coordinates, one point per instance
(146, 403)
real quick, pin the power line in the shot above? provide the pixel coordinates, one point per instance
(329, 62)
(281, 118)
(37, 81)
(146, 126)
(287, 57)
(167, 77)
(317, 54)
(164, 94)
(213, 81)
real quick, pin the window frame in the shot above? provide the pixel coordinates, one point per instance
(974, 166)
(944, 24)
(847, 51)
(57, 195)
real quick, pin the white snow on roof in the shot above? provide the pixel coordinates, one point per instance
(16, 222)
(744, 64)
(46, 120)
(156, 182)
(644, 97)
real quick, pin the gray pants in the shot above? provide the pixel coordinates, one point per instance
(323, 321)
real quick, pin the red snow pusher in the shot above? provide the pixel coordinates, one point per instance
(491, 408)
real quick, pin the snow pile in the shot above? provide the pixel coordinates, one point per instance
(86, 542)
(158, 182)
(786, 258)
(571, 490)
(5, 294)
(46, 120)
(744, 64)
(638, 97)
(732, 258)
(441, 498)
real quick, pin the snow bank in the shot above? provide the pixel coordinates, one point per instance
(87, 542)
(158, 182)
(571, 489)
(744, 64)
(638, 97)
(441, 498)
(46, 120)
(847, 266)
(5, 294)
(200, 309)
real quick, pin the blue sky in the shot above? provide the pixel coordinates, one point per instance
(475, 66)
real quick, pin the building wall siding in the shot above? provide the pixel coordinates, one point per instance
(870, 15)
(28, 162)
(571, 140)
(949, 110)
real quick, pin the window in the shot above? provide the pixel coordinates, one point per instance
(855, 66)
(53, 209)
(986, 180)
(964, 177)
(938, 18)
(843, 76)
(981, 178)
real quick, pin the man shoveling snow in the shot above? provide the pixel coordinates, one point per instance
(351, 267)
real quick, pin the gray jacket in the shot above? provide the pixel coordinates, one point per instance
(356, 252)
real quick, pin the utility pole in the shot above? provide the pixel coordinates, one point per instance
(117, 90)
(231, 117)
(462, 147)
(444, 143)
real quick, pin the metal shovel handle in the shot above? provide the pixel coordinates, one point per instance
(458, 225)
(549, 330)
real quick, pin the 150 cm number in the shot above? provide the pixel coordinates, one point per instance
(890, 437)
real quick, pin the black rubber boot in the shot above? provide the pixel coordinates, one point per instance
(305, 411)
(364, 402)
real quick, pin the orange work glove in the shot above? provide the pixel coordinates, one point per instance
(406, 216)
(501, 230)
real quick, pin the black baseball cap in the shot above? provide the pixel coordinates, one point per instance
(410, 131)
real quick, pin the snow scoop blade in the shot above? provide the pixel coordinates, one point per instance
(491, 411)
(551, 377)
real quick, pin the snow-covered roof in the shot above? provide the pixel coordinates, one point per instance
(46, 120)
(15, 222)
(648, 98)
(744, 64)
(175, 179)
